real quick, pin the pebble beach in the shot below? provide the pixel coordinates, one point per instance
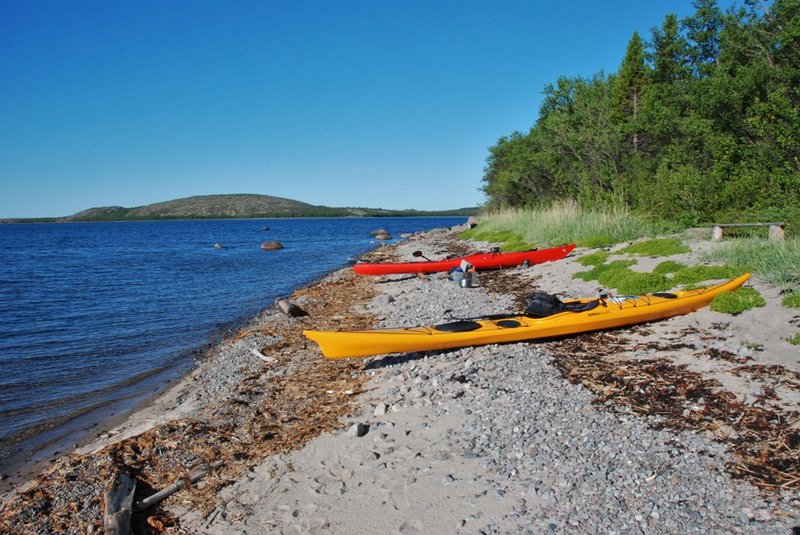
(686, 425)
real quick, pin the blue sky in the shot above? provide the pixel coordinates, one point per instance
(382, 104)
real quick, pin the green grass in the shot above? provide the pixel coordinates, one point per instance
(626, 281)
(755, 346)
(794, 339)
(630, 282)
(698, 274)
(593, 259)
(668, 266)
(566, 222)
(791, 300)
(601, 269)
(737, 301)
(656, 247)
(618, 276)
(777, 261)
(509, 241)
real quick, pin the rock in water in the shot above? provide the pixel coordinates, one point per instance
(380, 234)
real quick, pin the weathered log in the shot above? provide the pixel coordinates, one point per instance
(118, 504)
(175, 487)
(289, 308)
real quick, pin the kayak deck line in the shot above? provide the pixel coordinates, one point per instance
(609, 313)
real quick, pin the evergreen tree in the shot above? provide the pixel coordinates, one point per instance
(703, 29)
(630, 83)
(691, 128)
(670, 56)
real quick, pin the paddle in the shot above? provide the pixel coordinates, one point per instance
(419, 254)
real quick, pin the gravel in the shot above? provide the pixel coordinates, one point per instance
(561, 462)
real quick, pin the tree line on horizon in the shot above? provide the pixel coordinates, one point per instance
(701, 122)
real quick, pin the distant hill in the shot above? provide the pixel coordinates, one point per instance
(237, 206)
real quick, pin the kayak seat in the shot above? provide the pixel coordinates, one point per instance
(665, 295)
(458, 326)
(542, 305)
(581, 307)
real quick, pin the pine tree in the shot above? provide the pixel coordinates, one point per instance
(632, 77)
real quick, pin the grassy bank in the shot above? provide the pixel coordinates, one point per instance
(778, 262)
(564, 222)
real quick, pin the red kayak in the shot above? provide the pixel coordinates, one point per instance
(493, 260)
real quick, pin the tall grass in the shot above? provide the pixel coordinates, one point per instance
(778, 261)
(566, 222)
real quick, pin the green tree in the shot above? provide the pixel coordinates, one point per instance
(670, 52)
(703, 29)
(630, 84)
(695, 126)
(514, 174)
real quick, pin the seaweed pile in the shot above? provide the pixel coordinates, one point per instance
(762, 435)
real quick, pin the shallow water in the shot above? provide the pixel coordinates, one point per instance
(95, 314)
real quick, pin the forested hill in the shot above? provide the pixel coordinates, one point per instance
(700, 122)
(238, 206)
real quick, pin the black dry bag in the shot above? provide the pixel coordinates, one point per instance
(542, 304)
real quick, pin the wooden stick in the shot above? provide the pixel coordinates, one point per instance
(259, 354)
(119, 501)
(175, 487)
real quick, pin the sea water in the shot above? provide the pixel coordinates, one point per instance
(95, 317)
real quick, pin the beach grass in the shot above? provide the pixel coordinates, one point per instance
(777, 261)
(565, 222)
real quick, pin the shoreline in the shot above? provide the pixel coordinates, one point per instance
(424, 423)
(77, 436)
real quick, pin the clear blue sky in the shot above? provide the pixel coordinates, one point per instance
(382, 104)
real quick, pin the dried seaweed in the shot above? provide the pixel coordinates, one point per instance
(765, 440)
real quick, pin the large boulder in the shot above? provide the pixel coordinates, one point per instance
(380, 234)
(271, 245)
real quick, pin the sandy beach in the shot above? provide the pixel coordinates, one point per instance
(687, 425)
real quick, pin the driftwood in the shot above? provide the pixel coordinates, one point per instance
(119, 501)
(175, 487)
(262, 356)
(290, 309)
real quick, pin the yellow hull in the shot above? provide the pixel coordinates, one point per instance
(610, 314)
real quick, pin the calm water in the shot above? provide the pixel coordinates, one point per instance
(96, 316)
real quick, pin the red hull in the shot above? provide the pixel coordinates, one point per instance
(481, 261)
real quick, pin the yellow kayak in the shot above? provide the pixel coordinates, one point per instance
(589, 314)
